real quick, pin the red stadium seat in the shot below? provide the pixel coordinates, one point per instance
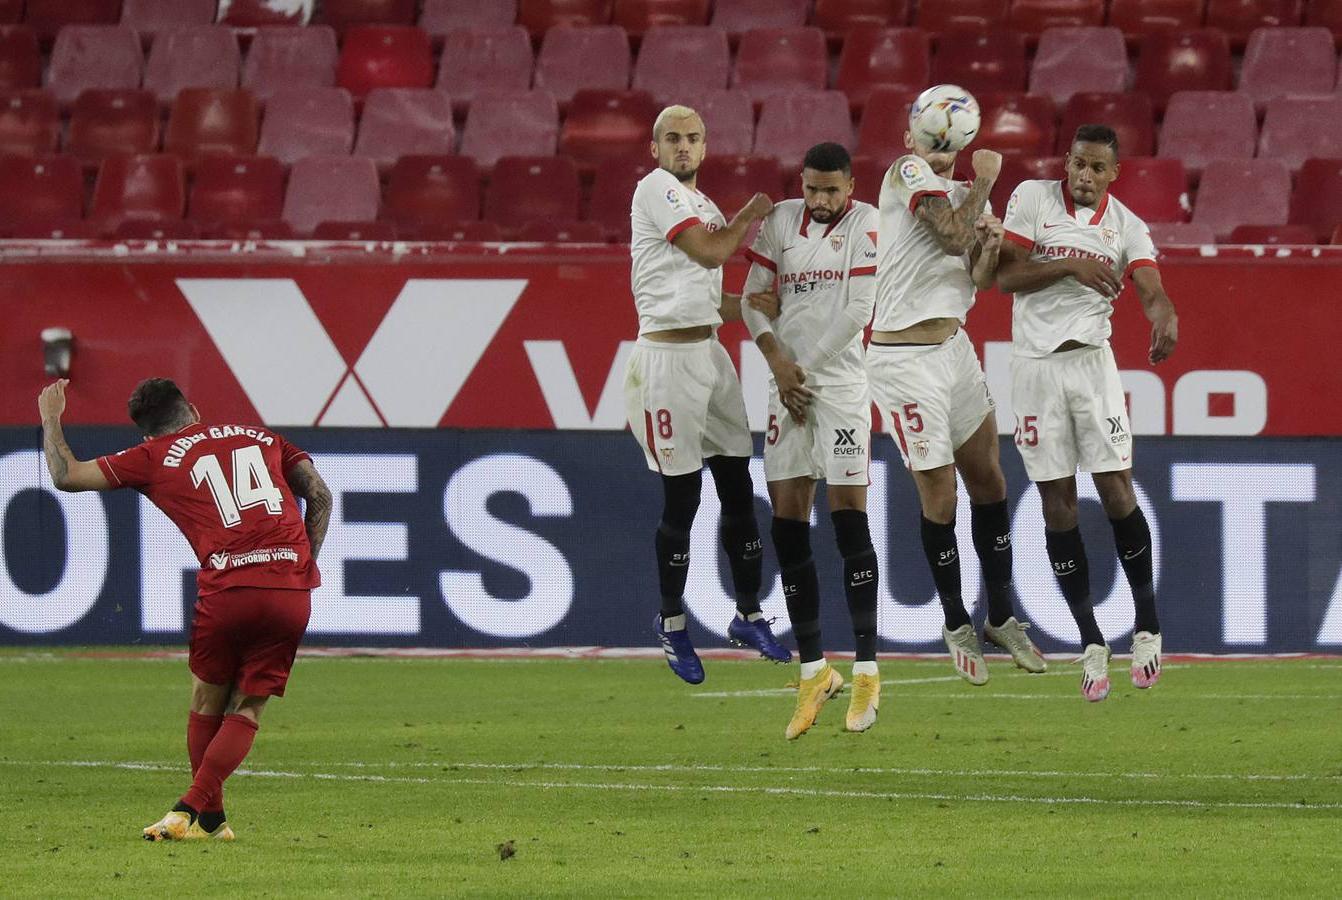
(940, 16)
(790, 124)
(438, 17)
(50, 16)
(432, 190)
(1138, 18)
(607, 126)
(729, 118)
(484, 58)
(1242, 192)
(36, 191)
(202, 56)
(138, 187)
(679, 61)
(736, 17)
(1288, 61)
(107, 123)
(285, 57)
(1180, 234)
(841, 19)
(1317, 201)
(155, 230)
(608, 203)
(457, 231)
(980, 61)
(54, 230)
(1298, 128)
(249, 231)
(900, 58)
(1016, 123)
(885, 121)
(1328, 14)
(208, 122)
(1175, 61)
(354, 231)
(149, 17)
(1033, 16)
(539, 16)
(1273, 234)
(504, 123)
(307, 122)
(94, 56)
(400, 122)
(781, 60)
(730, 181)
(583, 57)
(868, 172)
(11, 11)
(1129, 114)
(1155, 189)
(1239, 18)
(1201, 126)
(30, 123)
(1336, 239)
(557, 232)
(637, 17)
(264, 13)
(343, 14)
(531, 188)
(236, 190)
(375, 56)
(1071, 60)
(331, 189)
(1016, 169)
(20, 57)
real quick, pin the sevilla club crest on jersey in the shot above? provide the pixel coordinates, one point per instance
(1109, 236)
(836, 242)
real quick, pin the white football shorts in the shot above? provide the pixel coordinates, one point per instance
(834, 443)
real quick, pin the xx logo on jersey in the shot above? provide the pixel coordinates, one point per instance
(843, 437)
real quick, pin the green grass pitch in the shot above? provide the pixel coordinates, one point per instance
(386, 777)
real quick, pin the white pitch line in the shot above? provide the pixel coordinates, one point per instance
(721, 789)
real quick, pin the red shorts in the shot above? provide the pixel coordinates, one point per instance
(249, 637)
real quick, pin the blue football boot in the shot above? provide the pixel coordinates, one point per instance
(757, 636)
(680, 655)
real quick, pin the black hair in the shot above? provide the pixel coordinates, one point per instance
(158, 406)
(828, 157)
(1097, 134)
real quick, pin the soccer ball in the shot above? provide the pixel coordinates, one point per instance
(944, 118)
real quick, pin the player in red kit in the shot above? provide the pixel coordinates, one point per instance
(230, 489)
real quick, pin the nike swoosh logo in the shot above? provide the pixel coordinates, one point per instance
(847, 474)
(1055, 225)
(949, 562)
(1134, 555)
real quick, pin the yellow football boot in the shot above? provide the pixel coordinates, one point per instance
(812, 693)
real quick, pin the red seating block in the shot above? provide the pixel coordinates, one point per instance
(107, 123)
(30, 123)
(20, 57)
(1201, 126)
(1326, 13)
(639, 16)
(1317, 201)
(939, 16)
(286, 57)
(891, 57)
(885, 121)
(539, 16)
(780, 60)
(94, 56)
(237, 190)
(331, 189)
(531, 188)
(680, 61)
(868, 172)
(438, 17)
(730, 181)
(1071, 60)
(400, 122)
(1282, 61)
(1016, 169)
(1239, 18)
(1175, 61)
(1016, 123)
(605, 126)
(201, 56)
(980, 61)
(138, 187)
(505, 123)
(844, 18)
(50, 16)
(249, 231)
(484, 58)
(1139, 18)
(1181, 234)
(582, 57)
(307, 122)
(11, 11)
(737, 17)
(1242, 192)
(1298, 128)
(1033, 16)
(433, 190)
(608, 203)
(1272, 234)
(1155, 189)
(562, 232)
(457, 231)
(377, 56)
(206, 122)
(729, 118)
(359, 230)
(155, 230)
(790, 124)
(149, 17)
(1129, 114)
(343, 14)
(263, 13)
(36, 191)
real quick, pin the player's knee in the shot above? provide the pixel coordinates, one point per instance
(248, 706)
(681, 499)
(1116, 493)
(209, 699)
(984, 483)
(731, 479)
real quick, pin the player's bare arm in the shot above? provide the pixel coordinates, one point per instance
(306, 482)
(1017, 273)
(954, 227)
(67, 472)
(988, 234)
(712, 249)
(789, 377)
(1159, 311)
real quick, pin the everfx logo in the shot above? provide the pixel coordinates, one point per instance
(407, 374)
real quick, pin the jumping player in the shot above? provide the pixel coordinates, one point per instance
(1069, 245)
(230, 489)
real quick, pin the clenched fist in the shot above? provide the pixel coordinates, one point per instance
(987, 164)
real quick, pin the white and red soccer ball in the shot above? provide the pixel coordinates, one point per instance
(944, 118)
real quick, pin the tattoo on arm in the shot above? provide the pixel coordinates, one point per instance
(306, 483)
(57, 451)
(954, 227)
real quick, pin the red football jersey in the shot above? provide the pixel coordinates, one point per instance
(224, 486)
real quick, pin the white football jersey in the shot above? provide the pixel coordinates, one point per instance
(670, 289)
(816, 267)
(1042, 218)
(915, 279)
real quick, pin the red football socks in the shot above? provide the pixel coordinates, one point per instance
(200, 730)
(225, 753)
